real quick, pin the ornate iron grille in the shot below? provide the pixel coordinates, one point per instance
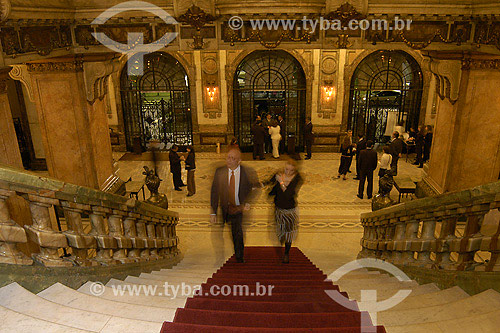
(156, 105)
(269, 82)
(386, 90)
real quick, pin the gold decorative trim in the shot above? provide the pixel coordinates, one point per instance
(4, 10)
(270, 45)
(42, 67)
(469, 64)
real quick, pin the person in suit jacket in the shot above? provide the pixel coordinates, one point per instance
(266, 123)
(175, 167)
(282, 125)
(308, 137)
(427, 143)
(232, 187)
(419, 146)
(367, 164)
(360, 146)
(190, 165)
(396, 148)
(259, 137)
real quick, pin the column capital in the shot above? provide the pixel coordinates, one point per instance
(20, 73)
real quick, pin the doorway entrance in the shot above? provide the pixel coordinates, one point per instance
(269, 82)
(156, 105)
(386, 91)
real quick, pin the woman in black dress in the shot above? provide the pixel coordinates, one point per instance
(346, 151)
(286, 186)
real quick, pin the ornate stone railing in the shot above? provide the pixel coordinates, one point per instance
(426, 233)
(122, 230)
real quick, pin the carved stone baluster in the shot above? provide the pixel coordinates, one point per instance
(494, 247)
(131, 232)
(424, 245)
(41, 232)
(10, 234)
(151, 229)
(79, 241)
(446, 236)
(175, 238)
(471, 240)
(142, 234)
(105, 243)
(410, 237)
(116, 231)
(399, 242)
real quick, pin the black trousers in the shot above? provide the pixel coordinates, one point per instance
(258, 150)
(237, 233)
(176, 175)
(345, 164)
(420, 153)
(309, 144)
(369, 188)
(394, 165)
(269, 144)
(282, 145)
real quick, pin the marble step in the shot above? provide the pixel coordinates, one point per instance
(160, 285)
(182, 274)
(431, 299)
(148, 300)
(353, 286)
(16, 298)
(486, 301)
(15, 322)
(484, 323)
(386, 293)
(173, 279)
(377, 279)
(116, 282)
(60, 294)
(191, 270)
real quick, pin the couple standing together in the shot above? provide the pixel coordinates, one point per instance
(232, 189)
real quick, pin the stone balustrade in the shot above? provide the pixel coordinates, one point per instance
(123, 230)
(426, 233)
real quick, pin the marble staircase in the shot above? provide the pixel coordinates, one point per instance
(62, 309)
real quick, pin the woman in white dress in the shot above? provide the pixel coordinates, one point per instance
(274, 132)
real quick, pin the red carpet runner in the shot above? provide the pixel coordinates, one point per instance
(297, 302)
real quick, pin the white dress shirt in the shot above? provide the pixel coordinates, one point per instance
(385, 161)
(236, 183)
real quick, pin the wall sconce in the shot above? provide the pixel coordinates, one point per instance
(211, 91)
(328, 91)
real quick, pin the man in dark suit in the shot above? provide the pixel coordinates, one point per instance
(308, 137)
(360, 146)
(367, 164)
(282, 125)
(266, 123)
(175, 167)
(259, 136)
(231, 188)
(396, 149)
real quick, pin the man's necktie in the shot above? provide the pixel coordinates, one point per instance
(232, 189)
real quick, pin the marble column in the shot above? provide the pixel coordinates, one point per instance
(69, 97)
(466, 144)
(9, 149)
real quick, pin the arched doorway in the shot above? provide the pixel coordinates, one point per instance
(156, 105)
(269, 82)
(386, 91)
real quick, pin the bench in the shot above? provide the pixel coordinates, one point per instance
(404, 185)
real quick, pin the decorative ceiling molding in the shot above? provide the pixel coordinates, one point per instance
(197, 18)
(345, 13)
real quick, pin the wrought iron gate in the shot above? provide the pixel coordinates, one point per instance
(269, 82)
(156, 105)
(386, 90)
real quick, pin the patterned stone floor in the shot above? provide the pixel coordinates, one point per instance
(325, 202)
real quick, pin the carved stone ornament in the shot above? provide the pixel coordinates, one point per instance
(197, 18)
(20, 73)
(469, 64)
(329, 65)
(96, 77)
(210, 65)
(4, 9)
(344, 14)
(69, 66)
(448, 74)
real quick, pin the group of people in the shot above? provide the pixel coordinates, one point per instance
(367, 158)
(269, 134)
(232, 188)
(175, 159)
